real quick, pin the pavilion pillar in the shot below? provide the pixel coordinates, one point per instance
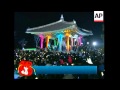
(60, 37)
(71, 43)
(77, 41)
(55, 42)
(47, 41)
(67, 37)
(41, 40)
(67, 43)
(80, 40)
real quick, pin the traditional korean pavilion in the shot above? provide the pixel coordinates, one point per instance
(62, 31)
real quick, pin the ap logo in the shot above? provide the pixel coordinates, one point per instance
(98, 16)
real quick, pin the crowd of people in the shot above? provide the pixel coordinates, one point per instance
(85, 55)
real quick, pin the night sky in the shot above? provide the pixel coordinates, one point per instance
(23, 20)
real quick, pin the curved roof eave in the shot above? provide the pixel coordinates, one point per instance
(60, 21)
(84, 32)
(52, 31)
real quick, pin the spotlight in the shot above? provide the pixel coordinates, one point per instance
(94, 43)
(87, 42)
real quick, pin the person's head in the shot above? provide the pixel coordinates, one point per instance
(14, 62)
(36, 78)
(24, 58)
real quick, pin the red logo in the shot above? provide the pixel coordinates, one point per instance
(25, 68)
